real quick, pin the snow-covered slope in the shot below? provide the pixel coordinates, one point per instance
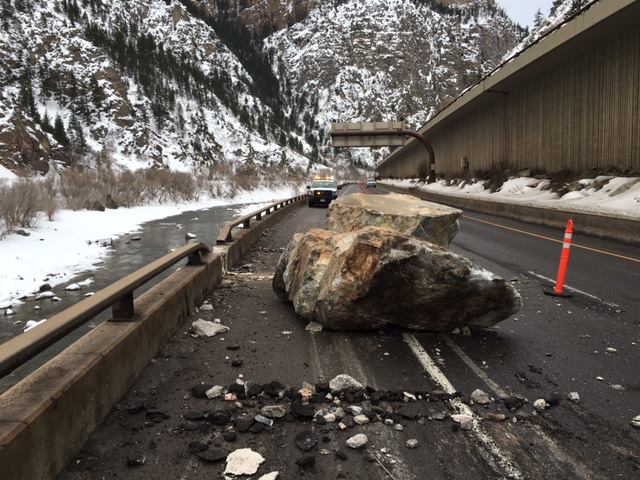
(141, 81)
(389, 59)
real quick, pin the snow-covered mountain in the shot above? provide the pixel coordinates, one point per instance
(141, 82)
(184, 83)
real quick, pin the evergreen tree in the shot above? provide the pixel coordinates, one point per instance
(59, 132)
(538, 19)
(27, 101)
(76, 136)
(576, 6)
(46, 123)
(555, 5)
(97, 93)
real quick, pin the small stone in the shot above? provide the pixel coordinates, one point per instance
(306, 462)
(274, 411)
(206, 307)
(398, 427)
(480, 397)
(330, 417)
(412, 443)
(611, 350)
(513, 402)
(388, 421)
(540, 405)
(466, 331)
(257, 427)
(465, 421)
(439, 416)
(236, 362)
(635, 422)
(264, 420)
(44, 295)
(230, 397)
(574, 397)
(214, 392)
(313, 327)
(344, 382)
(243, 423)
(361, 419)
(44, 287)
(324, 451)
(8, 312)
(600, 379)
(136, 459)
(306, 440)
(302, 410)
(357, 441)
(497, 417)
(189, 236)
(73, 287)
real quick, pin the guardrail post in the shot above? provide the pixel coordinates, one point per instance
(246, 223)
(259, 216)
(123, 310)
(194, 259)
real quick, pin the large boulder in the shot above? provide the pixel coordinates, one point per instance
(373, 277)
(404, 213)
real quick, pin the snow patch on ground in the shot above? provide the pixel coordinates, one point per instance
(6, 174)
(618, 196)
(69, 245)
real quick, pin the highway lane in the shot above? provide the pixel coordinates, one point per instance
(546, 348)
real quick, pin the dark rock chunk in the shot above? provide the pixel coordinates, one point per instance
(212, 456)
(306, 440)
(254, 390)
(195, 416)
(513, 402)
(196, 447)
(341, 455)
(45, 287)
(236, 362)
(273, 389)
(220, 417)
(136, 459)
(302, 410)
(200, 390)
(323, 387)
(230, 436)
(411, 411)
(155, 416)
(257, 427)
(244, 423)
(306, 462)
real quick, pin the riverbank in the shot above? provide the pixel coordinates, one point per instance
(76, 242)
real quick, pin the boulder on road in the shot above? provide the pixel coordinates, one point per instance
(372, 277)
(404, 213)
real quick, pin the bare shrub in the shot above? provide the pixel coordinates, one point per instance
(19, 204)
(48, 197)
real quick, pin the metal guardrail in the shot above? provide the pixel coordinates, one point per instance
(118, 295)
(225, 234)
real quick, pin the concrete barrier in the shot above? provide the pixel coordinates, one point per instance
(47, 417)
(609, 227)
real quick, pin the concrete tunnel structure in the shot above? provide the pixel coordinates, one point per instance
(569, 101)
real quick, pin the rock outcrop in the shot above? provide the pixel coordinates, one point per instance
(404, 213)
(373, 277)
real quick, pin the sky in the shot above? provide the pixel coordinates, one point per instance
(522, 11)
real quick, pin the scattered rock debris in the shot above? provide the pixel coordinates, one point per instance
(480, 397)
(357, 441)
(574, 397)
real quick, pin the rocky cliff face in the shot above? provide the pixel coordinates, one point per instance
(390, 59)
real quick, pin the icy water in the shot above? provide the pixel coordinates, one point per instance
(157, 238)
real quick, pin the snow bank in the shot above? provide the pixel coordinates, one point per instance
(65, 247)
(618, 196)
(6, 174)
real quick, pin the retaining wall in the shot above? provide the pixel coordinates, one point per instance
(47, 417)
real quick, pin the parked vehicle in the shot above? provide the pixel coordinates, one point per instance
(371, 183)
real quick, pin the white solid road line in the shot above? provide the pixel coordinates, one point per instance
(475, 368)
(492, 453)
(581, 292)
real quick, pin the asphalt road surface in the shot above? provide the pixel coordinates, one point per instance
(552, 347)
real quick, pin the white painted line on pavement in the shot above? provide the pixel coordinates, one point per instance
(474, 367)
(581, 292)
(492, 453)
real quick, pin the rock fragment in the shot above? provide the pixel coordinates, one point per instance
(344, 382)
(212, 456)
(270, 476)
(214, 392)
(206, 328)
(357, 441)
(480, 397)
(574, 397)
(361, 419)
(306, 440)
(540, 404)
(412, 443)
(243, 461)
(465, 421)
(274, 411)
(635, 422)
